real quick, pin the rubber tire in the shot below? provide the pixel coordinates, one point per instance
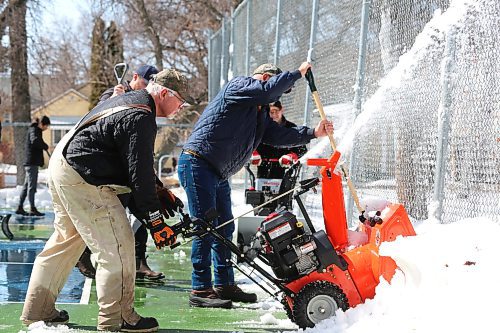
(287, 309)
(310, 291)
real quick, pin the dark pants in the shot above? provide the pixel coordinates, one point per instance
(205, 190)
(141, 238)
(30, 181)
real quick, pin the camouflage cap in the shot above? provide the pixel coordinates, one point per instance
(172, 79)
(267, 68)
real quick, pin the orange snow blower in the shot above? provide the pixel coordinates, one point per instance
(314, 272)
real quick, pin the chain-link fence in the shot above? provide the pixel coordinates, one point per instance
(412, 86)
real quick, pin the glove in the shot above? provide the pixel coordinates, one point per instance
(287, 160)
(162, 234)
(169, 202)
(256, 159)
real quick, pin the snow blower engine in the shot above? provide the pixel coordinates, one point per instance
(290, 249)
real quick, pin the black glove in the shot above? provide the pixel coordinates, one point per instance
(162, 234)
(169, 202)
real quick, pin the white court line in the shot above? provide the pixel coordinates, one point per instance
(86, 291)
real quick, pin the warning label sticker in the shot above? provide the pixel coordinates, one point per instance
(281, 230)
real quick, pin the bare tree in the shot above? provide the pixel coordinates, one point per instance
(174, 33)
(20, 86)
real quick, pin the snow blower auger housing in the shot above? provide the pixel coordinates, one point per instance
(315, 272)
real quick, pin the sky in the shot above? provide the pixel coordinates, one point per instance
(58, 10)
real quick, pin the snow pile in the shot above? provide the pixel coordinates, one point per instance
(450, 277)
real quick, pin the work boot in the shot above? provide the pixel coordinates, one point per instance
(208, 299)
(145, 272)
(235, 294)
(35, 212)
(85, 266)
(20, 211)
(62, 318)
(145, 324)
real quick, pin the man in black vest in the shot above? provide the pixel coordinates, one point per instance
(108, 153)
(140, 80)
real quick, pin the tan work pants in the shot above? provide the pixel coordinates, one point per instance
(92, 216)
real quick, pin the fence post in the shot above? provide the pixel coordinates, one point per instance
(312, 40)
(223, 56)
(444, 122)
(247, 41)
(358, 91)
(277, 38)
(231, 46)
(210, 67)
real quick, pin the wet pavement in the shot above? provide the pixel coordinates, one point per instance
(167, 300)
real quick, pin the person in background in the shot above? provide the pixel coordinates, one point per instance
(230, 128)
(266, 154)
(108, 153)
(34, 159)
(140, 79)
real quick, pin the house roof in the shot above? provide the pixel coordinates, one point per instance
(67, 92)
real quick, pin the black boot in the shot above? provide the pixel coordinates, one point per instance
(20, 211)
(208, 299)
(62, 318)
(35, 212)
(235, 294)
(145, 324)
(85, 266)
(143, 271)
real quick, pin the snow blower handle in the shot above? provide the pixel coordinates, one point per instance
(314, 91)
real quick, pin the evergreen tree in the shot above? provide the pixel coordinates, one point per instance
(114, 51)
(97, 68)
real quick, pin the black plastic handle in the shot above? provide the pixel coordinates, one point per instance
(310, 80)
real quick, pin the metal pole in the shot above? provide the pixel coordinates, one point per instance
(231, 53)
(358, 93)
(312, 40)
(247, 42)
(223, 68)
(277, 38)
(210, 69)
(444, 122)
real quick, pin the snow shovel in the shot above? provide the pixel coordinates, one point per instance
(121, 70)
(319, 105)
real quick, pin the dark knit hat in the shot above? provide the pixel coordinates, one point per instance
(147, 71)
(45, 120)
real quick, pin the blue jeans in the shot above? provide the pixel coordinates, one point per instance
(205, 190)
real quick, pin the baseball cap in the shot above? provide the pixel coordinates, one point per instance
(267, 68)
(175, 80)
(271, 70)
(146, 71)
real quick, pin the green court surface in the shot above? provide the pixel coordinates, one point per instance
(167, 301)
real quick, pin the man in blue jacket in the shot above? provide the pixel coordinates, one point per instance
(233, 124)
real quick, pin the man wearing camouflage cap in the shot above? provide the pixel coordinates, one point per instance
(109, 152)
(233, 124)
(140, 80)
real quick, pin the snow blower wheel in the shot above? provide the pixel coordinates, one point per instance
(318, 301)
(287, 309)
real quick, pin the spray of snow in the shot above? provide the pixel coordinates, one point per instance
(432, 37)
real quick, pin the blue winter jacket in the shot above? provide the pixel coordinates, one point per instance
(234, 123)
